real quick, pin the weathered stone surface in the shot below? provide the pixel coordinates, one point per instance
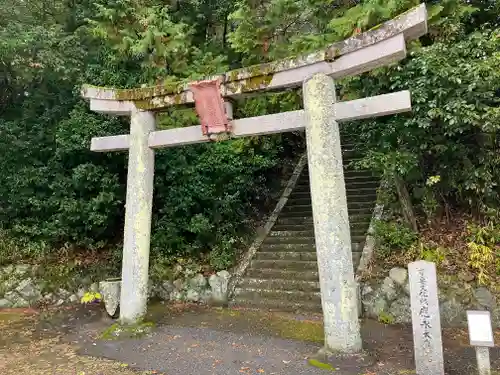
(5, 303)
(80, 293)
(20, 302)
(400, 310)
(138, 210)
(16, 299)
(484, 298)
(192, 295)
(179, 284)
(59, 302)
(49, 298)
(177, 295)
(374, 304)
(73, 298)
(389, 289)
(28, 290)
(452, 313)
(205, 295)
(94, 288)
(110, 291)
(366, 289)
(11, 296)
(63, 293)
(198, 282)
(330, 215)
(426, 319)
(219, 286)
(399, 275)
(164, 290)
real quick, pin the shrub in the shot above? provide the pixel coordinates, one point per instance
(393, 237)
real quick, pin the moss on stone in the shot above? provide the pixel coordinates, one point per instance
(250, 84)
(321, 365)
(119, 331)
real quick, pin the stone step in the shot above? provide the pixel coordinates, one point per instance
(274, 243)
(350, 176)
(289, 240)
(286, 255)
(277, 305)
(350, 202)
(295, 265)
(358, 228)
(307, 209)
(281, 284)
(351, 196)
(270, 247)
(353, 212)
(281, 295)
(357, 190)
(274, 273)
(293, 233)
(350, 180)
(351, 188)
(358, 231)
(308, 220)
(356, 215)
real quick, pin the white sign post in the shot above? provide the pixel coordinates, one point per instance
(481, 337)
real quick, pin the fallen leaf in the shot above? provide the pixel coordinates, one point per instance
(260, 371)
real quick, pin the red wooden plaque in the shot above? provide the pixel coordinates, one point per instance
(209, 106)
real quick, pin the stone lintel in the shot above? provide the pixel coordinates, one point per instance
(114, 107)
(375, 106)
(288, 72)
(412, 24)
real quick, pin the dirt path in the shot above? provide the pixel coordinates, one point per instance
(193, 340)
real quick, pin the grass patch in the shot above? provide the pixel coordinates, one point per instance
(119, 331)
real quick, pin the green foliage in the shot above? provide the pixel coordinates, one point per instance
(56, 194)
(483, 243)
(430, 252)
(393, 237)
(452, 132)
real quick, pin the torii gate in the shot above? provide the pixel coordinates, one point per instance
(378, 47)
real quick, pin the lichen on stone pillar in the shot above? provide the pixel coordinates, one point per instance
(331, 219)
(138, 211)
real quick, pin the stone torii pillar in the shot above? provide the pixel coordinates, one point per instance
(377, 47)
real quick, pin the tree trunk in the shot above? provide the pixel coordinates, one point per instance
(224, 33)
(406, 205)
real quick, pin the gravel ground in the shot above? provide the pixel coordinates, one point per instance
(191, 340)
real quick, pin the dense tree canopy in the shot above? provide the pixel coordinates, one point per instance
(54, 191)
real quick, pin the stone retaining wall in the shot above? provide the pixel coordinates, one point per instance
(388, 300)
(21, 286)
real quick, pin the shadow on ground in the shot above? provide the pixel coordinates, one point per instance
(197, 340)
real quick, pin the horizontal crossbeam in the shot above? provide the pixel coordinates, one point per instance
(374, 48)
(375, 106)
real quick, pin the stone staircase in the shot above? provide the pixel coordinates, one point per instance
(283, 274)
